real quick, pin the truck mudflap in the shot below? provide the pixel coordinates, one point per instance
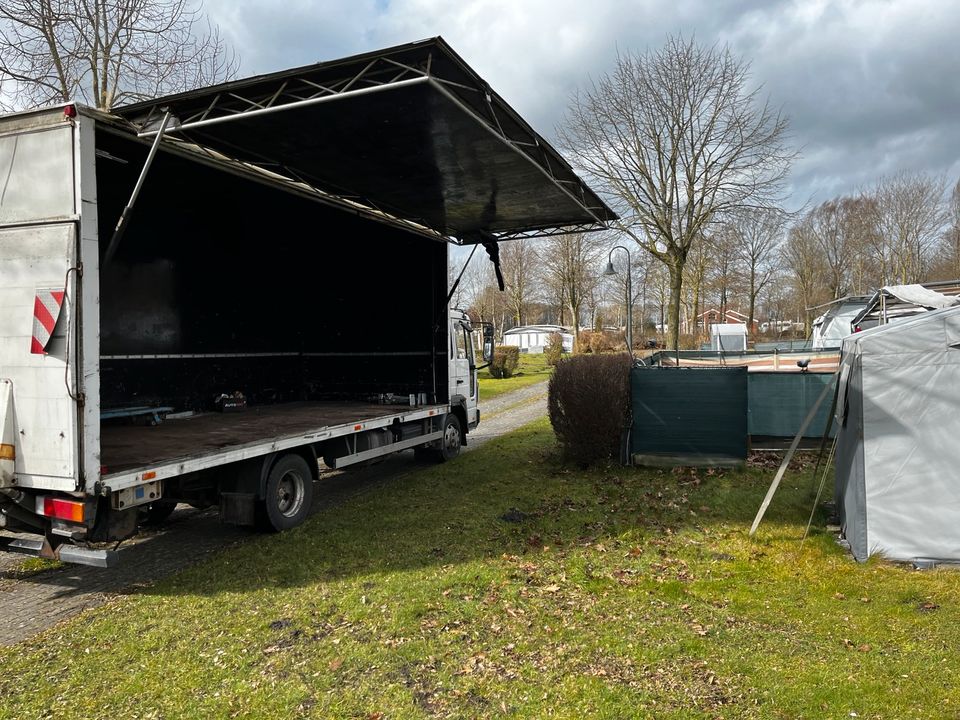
(39, 547)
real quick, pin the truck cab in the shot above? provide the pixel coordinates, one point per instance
(464, 391)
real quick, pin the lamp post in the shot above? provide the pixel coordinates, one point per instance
(612, 271)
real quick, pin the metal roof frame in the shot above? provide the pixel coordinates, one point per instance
(431, 63)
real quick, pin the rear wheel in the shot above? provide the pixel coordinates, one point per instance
(157, 512)
(288, 494)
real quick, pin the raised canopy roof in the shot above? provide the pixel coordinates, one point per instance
(411, 131)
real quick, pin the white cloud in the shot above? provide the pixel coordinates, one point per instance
(869, 85)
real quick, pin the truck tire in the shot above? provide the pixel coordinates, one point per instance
(452, 439)
(157, 512)
(288, 494)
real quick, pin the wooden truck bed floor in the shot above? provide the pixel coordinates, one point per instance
(128, 446)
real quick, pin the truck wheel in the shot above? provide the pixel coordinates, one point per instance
(156, 512)
(288, 494)
(451, 440)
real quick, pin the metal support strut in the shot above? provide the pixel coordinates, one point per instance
(128, 210)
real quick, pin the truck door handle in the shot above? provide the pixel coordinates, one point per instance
(459, 382)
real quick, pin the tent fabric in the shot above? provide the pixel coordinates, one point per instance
(919, 295)
(835, 324)
(895, 302)
(897, 483)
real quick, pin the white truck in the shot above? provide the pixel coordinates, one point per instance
(194, 309)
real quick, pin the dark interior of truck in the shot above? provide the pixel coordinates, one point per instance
(226, 286)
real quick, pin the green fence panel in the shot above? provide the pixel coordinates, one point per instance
(779, 403)
(689, 415)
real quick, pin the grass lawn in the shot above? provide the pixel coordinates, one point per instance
(504, 584)
(531, 370)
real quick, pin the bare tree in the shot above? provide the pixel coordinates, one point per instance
(826, 223)
(485, 301)
(859, 226)
(802, 256)
(518, 260)
(757, 233)
(461, 270)
(695, 275)
(949, 255)
(723, 274)
(107, 52)
(572, 264)
(911, 216)
(676, 139)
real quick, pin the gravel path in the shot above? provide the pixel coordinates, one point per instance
(31, 604)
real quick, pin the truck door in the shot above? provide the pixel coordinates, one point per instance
(37, 361)
(464, 383)
(38, 297)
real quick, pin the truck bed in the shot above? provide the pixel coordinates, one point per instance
(124, 447)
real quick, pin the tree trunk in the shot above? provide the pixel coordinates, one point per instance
(696, 305)
(574, 309)
(673, 313)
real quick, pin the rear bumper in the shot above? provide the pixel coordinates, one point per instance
(39, 547)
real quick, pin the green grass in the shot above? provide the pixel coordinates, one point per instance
(531, 370)
(610, 593)
(28, 567)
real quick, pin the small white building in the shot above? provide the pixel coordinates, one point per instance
(728, 336)
(534, 338)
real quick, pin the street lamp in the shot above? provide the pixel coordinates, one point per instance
(612, 271)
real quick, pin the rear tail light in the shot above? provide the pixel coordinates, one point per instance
(69, 510)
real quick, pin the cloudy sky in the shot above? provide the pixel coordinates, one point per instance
(871, 87)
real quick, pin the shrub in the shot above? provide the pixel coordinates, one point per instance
(600, 341)
(554, 350)
(589, 405)
(690, 342)
(505, 361)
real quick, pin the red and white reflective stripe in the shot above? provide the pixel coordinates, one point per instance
(46, 310)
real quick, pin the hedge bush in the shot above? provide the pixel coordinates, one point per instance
(505, 361)
(554, 349)
(589, 405)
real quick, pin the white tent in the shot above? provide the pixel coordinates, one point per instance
(898, 439)
(728, 336)
(834, 325)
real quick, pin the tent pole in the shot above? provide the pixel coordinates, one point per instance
(789, 456)
(816, 500)
(827, 429)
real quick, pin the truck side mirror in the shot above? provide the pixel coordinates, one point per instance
(487, 343)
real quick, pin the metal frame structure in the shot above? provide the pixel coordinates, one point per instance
(364, 75)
